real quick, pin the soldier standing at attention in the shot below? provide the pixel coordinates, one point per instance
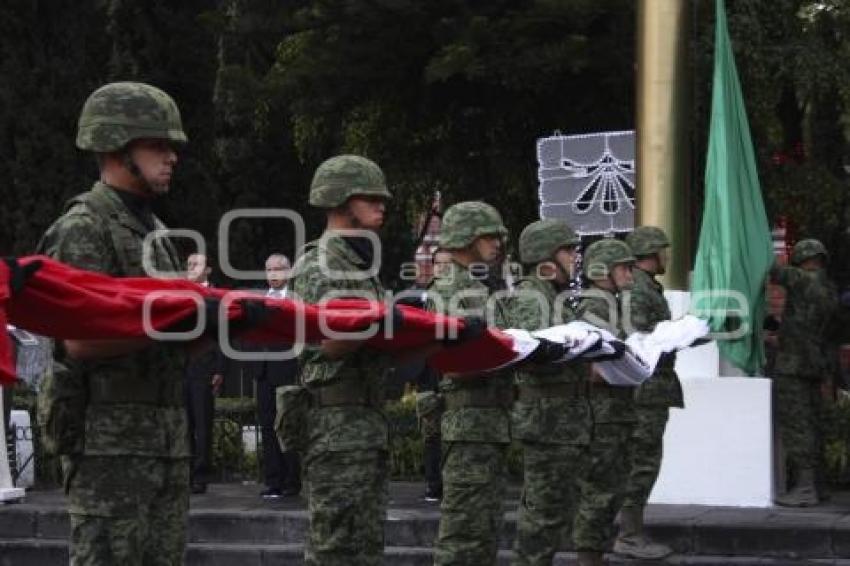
(345, 461)
(476, 422)
(608, 268)
(646, 307)
(551, 417)
(811, 301)
(116, 416)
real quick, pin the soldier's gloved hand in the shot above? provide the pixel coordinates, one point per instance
(614, 350)
(473, 327)
(666, 358)
(393, 320)
(18, 274)
(771, 323)
(548, 352)
(254, 313)
(210, 307)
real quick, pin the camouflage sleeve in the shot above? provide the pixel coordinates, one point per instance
(641, 313)
(785, 275)
(311, 284)
(594, 309)
(525, 310)
(77, 240)
(436, 301)
(600, 311)
(457, 299)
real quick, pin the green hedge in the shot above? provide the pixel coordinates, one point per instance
(836, 441)
(233, 463)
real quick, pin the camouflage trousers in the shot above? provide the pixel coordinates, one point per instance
(474, 480)
(127, 510)
(798, 406)
(645, 452)
(601, 486)
(547, 507)
(347, 504)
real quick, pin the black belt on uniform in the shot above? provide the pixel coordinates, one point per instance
(611, 391)
(551, 391)
(502, 397)
(343, 393)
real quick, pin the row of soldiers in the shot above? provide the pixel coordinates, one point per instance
(590, 450)
(113, 408)
(583, 440)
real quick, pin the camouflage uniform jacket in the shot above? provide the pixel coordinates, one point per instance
(602, 308)
(556, 420)
(133, 404)
(325, 272)
(646, 308)
(456, 292)
(811, 301)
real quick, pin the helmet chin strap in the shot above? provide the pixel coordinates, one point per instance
(560, 269)
(136, 172)
(353, 221)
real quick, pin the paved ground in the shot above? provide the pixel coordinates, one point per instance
(231, 525)
(407, 497)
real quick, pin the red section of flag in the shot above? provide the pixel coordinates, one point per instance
(67, 303)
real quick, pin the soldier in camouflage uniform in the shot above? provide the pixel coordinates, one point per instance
(114, 411)
(811, 301)
(551, 417)
(476, 422)
(608, 269)
(345, 458)
(645, 308)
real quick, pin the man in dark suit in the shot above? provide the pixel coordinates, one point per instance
(281, 470)
(204, 377)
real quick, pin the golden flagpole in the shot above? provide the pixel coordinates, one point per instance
(663, 122)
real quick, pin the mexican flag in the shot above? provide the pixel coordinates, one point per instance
(735, 250)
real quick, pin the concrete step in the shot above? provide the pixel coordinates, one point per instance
(693, 531)
(26, 552)
(233, 517)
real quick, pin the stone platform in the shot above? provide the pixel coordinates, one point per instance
(230, 525)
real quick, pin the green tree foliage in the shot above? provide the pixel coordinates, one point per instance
(792, 55)
(446, 95)
(452, 95)
(49, 56)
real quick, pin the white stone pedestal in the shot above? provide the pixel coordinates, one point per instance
(24, 456)
(718, 449)
(8, 492)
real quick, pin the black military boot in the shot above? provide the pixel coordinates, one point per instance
(633, 542)
(803, 494)
(590, 558)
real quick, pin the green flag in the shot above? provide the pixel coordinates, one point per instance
(735, 250)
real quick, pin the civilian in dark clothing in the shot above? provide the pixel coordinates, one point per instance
(204, 376)
(282, 470)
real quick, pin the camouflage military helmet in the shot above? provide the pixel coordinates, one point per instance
(647, 240)
(118, 113)
(601, 257)
(807, 249)
(465, 221)
(339, 178)
(541, 240)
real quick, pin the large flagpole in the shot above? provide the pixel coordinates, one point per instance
(663, 135)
